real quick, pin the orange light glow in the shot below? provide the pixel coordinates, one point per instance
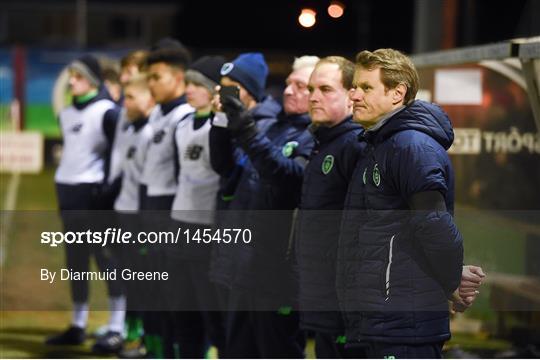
(336, 9)
(307, 18)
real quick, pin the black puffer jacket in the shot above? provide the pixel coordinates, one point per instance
(276, 169)
(326, 179)
(232, 163)
(397, 267)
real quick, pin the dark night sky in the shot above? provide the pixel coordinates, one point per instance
(273, 24)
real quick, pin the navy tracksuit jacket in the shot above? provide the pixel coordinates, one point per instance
(397, 267)
(324, 189)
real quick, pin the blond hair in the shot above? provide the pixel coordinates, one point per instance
(139, 80)
(396, 68)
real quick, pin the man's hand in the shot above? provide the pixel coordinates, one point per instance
(236, 113)
(216, 103)
(241, 122)
(471, 279)
(464, 296)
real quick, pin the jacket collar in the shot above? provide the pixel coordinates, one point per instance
(170, 105)
(101, 95)
(420, 116)
(324, 134)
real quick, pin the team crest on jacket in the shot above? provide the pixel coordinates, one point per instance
(376, 175)
(159, 136)
(327, 164)
(288, 148)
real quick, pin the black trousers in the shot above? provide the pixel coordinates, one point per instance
(78, 209)
(261, 334)
(192, 298)
(147, 202)
(155, 216)
(133, 256)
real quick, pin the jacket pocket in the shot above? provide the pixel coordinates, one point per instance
(387, 285)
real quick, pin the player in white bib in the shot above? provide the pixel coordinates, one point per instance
(88, 127)
(166, 82)
(166, 66)
(193, 208)
(138, 104)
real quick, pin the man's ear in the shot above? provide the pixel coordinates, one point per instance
(180, 75)
(399, 93)
(249, 102)
(350, 104)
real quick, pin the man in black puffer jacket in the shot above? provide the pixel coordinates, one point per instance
(326, 179)
(400, 253)
(259, 276)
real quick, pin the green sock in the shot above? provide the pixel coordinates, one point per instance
(130, 324)
(341, 339)
(140, 326)
(149, 344)
(285, 310)
(159, 348)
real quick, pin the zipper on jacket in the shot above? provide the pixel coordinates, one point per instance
(292, 234)
(387, 278)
